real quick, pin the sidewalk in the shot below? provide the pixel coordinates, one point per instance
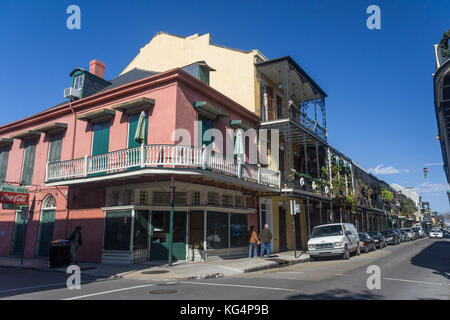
(218, 267)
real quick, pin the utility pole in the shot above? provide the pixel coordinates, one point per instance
(172, 194)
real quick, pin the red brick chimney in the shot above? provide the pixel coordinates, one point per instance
(98, 68)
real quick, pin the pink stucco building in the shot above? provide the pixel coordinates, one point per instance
(82, 166)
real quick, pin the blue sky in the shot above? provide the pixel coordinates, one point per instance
(380, 107)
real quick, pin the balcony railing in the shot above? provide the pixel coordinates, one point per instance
(166, 156)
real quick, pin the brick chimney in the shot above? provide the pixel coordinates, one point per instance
(98, 68)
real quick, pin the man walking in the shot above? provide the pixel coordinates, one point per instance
(265, 236)
(75, 241)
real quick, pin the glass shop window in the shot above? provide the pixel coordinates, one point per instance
(217, 230)
(117, 230)
(239, 230)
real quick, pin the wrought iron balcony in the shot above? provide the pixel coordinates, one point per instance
(160, 156)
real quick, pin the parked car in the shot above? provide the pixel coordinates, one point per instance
(436, 233)
(410, 235)
(401, 234)
(366, 242)
(380, 242)
(336, 239)
(391, 237)
(419, 231)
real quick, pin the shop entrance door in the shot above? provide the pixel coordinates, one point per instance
(160, 235)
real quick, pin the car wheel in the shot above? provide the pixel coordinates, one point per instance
(358, 251)
(366, 249)
(312, 259)
(346, 254)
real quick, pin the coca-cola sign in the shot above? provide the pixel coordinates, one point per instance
(14, 198)
(14, 195)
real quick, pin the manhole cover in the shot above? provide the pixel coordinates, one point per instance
(155, 272)
(163, 291)
(87, 268)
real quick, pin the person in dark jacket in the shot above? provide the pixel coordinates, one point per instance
(265, 236)
(75, 241)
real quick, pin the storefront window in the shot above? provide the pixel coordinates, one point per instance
(117, 230)
(217, 230)
(239, 230)
(140, 240)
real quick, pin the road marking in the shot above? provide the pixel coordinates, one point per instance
(240, 286)
(414, 281)
(110, 291)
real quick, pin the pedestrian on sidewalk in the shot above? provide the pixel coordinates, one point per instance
(265, 236)
(254, 241)
(75, 242)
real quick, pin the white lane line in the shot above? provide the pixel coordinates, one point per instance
(35, 287)
(293, 272)
(110, 291)
(414, 281)
(239, 286)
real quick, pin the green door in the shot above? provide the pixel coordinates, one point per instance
(100, 145)
(20, 230)
(160, 234)
(206, 124)
(133, 120)
(100, 142)
(46, 228)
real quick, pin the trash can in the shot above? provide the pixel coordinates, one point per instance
(59, 254)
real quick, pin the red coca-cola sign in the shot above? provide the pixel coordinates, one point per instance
(14, 198)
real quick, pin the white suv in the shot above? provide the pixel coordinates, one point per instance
(337, 239)
(436, 233)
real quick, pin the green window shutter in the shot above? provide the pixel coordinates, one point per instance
(4, 153)
(28, 163)
(100, 143)
(54, 154)
(133, 120)
(206, 124)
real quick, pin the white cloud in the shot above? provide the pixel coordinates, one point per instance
(381, 169)
(432, 188)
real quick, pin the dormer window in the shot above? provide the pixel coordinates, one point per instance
(78, 82)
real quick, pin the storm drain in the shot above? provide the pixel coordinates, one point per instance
(163, 291)
(155, 272)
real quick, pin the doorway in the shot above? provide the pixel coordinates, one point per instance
(20, 230)
(46, 226)
(160, 235)
(282, 228)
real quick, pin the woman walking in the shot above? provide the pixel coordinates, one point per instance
(254, 241)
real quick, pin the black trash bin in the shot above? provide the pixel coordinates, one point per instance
(59, 254)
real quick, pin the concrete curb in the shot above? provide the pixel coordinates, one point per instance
(204, 276)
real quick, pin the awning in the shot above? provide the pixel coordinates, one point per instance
(6, 142)
(134, 106)
(98, 115)
(239, 124)
(52, 127)
(209, 111)
(26, 135)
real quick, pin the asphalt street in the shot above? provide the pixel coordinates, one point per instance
(414, 270)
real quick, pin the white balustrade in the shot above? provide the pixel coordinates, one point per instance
(160, 155)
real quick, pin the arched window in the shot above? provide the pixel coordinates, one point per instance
(49, 202)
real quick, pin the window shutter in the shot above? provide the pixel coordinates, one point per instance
(3, 163)
(28, 164)
(269, 91)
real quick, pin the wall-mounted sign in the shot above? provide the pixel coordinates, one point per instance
(13, 197)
